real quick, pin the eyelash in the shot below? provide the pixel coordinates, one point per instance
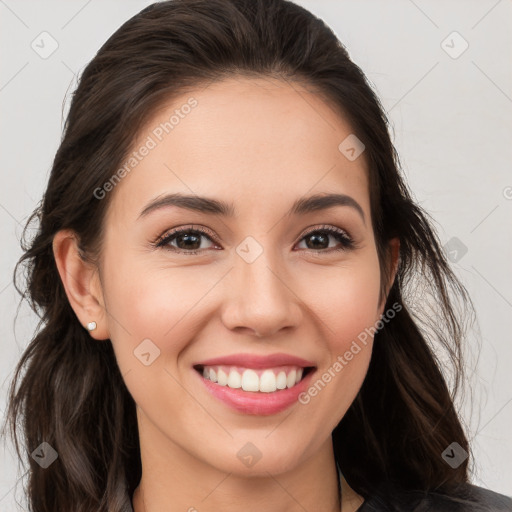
(340, 234)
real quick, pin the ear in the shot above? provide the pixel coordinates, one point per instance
(81, 282)
(393, 262)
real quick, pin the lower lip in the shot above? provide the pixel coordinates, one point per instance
(256, 402)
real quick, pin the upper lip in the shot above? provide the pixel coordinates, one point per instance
(257, 361)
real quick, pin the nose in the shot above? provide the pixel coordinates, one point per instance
(260, 299)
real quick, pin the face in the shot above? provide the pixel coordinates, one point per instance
(253, 294)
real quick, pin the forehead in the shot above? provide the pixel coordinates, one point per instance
(260, 141)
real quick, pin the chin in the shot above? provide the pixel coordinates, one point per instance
(258, 459)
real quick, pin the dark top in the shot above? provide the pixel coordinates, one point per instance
(467, 498)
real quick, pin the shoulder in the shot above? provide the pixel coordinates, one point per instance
(464, 498)
(470, 498)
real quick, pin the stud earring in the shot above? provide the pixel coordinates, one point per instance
(91, 326)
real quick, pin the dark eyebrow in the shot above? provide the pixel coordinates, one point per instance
(323, 202)
(215, 207)
(190, 202)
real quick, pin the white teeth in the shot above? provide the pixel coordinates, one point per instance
(222, 377)
(290, 380)
(250, 381)
(281, 380)
(266, 381)
(234, 379)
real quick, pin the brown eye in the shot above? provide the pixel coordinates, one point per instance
(186, 240)
(320, 239)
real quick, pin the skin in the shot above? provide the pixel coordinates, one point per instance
(260, 144)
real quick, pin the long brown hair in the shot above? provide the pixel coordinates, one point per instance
(68, 391)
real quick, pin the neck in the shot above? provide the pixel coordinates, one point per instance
(175, 480)
(351, 501)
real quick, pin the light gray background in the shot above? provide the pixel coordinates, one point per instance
(452, 125)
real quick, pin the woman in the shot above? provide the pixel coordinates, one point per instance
(223, 269)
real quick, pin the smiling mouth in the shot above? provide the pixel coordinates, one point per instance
(259, 380)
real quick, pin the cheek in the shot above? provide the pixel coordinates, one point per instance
(345, 299)
(346, 303)
(164, 310)
(158, 304)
